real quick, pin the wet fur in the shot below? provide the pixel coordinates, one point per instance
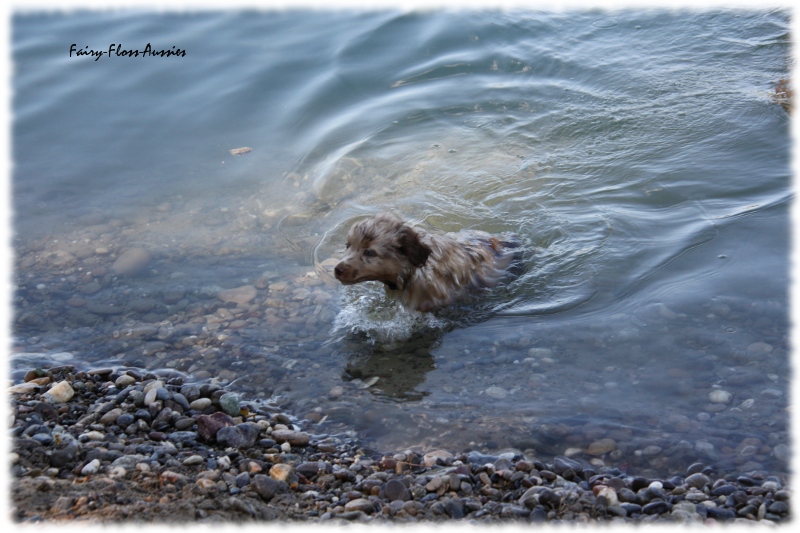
(422, 270)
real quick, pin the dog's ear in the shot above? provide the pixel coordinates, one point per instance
(410, 246)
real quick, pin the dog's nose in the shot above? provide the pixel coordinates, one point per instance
(338, 271)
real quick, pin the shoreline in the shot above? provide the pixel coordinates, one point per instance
(125, 445)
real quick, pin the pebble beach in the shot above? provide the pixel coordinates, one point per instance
(109, 446)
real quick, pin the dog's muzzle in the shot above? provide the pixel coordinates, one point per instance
(340, 271)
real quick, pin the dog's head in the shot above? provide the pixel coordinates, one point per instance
(381, 248)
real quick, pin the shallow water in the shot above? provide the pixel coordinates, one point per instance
(639, 156)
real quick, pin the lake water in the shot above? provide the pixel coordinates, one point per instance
(639, 155)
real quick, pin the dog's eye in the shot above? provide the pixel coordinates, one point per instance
(347, 246)
(370, 252)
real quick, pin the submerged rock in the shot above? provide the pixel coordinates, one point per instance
(132, 262)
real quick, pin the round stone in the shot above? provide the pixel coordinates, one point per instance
(281, 472)
(132, 262)
(294, 438)
(396, 490)
(229, 402)
(602, 446)
(697, 480)
(651, 451)
(360, 504)
(91, 467)
(124, 381)
(442, 456)
(496, 392)
(719, 396)
(200, 404)
(61, 392)
(239, 295)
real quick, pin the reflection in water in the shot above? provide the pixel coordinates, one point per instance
(399, 370)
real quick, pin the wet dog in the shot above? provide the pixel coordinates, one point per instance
(423, 270)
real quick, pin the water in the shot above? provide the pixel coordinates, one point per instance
(639, 155)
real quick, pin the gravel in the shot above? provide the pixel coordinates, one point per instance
(128, 445)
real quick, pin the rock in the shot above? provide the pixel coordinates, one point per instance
(241, 436)
(656, 507)
(779, 508)
(561, 464)
(437, 456)
(602, 446)
(163, 420)
(91, 467)
(209, 425)
(719, 396)
(313, 468)
(24, 388)
(782, 452)
(396, 490)
(63, 503)
(651, 451)
(697, 480)
(295, 438)
(142, 305)
(193, 460)
(111, 416)
(61, 392)
(132, 262)
(548, 497)
(610, 496)
(760, 348)
(529, 498)
(538, 515)
(239, 295)
(168, 476)
(283, 472)
(360, 504)
(496, 392)
(229, 402)
(124, 381)
(454, 508)
(267, 487)
(434, 484)
(200, 404)
(173, 295)
(719, 513)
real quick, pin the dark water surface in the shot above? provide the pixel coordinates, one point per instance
(639, 155)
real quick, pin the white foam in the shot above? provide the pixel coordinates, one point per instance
(367, 311)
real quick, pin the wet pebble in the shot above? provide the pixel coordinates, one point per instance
(294, 438)
(496, 392)
(132, 262)
(239, 295)
(360, 504)
(602, 446)
(719, 396)
(238, 436)
(61, 392)
(229, 402)
(396, 490)
(697, 480)
(264, 458)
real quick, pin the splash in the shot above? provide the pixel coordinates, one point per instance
(368, 312)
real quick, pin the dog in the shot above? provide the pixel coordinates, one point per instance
(424, 271)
